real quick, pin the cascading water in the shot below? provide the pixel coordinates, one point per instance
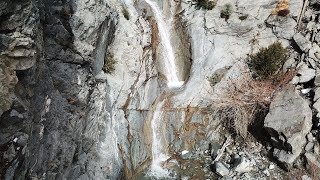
(169, 60)
(159, 155)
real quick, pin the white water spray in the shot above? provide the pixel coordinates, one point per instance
(158, 153)
(169, 60)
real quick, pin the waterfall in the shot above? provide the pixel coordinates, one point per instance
(158, 153)
(169, 59)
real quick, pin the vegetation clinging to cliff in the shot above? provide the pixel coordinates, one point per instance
(267, 62)
(226, 11)
(126, 13)
(109, 64)
(205, 4)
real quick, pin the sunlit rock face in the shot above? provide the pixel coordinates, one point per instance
(64, 117)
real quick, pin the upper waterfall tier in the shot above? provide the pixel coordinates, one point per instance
(169, 58)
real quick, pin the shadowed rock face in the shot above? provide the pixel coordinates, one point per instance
(58, 114)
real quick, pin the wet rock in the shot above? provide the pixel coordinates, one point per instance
(219, 168)
(10, 154)
(302, 42)
(306, 73)
(288, 122)
(22, 139)
(10, 171)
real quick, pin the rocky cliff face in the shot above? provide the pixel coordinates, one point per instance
(64, 116)
(50, 54)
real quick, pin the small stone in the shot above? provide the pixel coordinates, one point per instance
(316, 148)
(245, 165)
(290, 63)
(10, 154)
(316, 94)
(310, 137)
(186, 154)
(266, 172)
(305, 91)
(22, 139)
(306, 73)
(305, 177)
(15, 139)
(317, 37)
(312, 63)
(295, 80)
(316, 105)
(309, 146)
(313, 160)
(302, 42)
(220, 169)
(317, 79)
(271, 166)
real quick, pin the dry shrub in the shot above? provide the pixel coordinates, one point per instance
(244, 97)
(282, 8)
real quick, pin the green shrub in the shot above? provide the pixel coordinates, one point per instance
(267, 62)
(109, 64)
(205, 4)
(126, 13)
(226, 11)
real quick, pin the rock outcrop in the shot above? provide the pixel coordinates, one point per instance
(288, 123)
(54, 116)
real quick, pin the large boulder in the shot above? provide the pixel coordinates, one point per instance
(288, 122)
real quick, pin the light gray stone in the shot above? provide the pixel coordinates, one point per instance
(290, 63)
(282, 27)
(289, 121)
(302, 42)
(245, 165)
(306, 73)
(309, 146)
(220, 169)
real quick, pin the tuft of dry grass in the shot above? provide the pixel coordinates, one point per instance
(282, 8)
(244, 97)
